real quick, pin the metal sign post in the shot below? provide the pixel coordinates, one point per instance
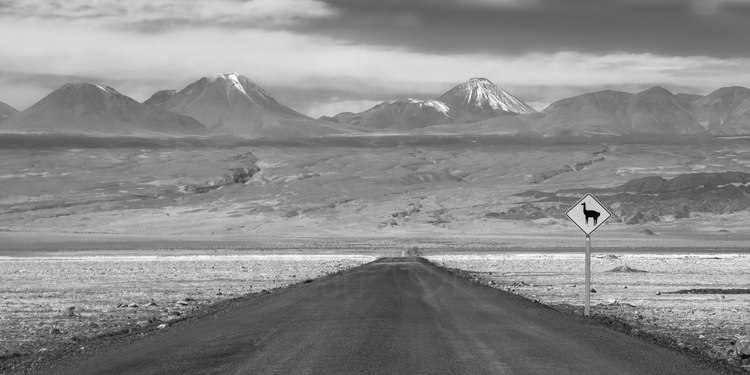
(587, 306)
(588, 214)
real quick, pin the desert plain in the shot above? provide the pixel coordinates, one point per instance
(126, 235)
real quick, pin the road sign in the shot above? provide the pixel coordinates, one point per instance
(588, 214)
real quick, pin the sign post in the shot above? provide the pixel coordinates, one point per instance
(587, 306)
(588, 214)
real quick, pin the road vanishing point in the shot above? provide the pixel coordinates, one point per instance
(392, 316)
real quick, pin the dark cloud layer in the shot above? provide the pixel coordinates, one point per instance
(701, 27)
(716, 28)
(320, 56)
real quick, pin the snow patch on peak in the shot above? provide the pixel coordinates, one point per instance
(241, 83)
(479, 80)
(437, 105)
(229, 80)
(86, 87)
(225, 76)
(434, 104)
(106, 89)
(236, 82)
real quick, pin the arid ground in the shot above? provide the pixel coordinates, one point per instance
(87, 229)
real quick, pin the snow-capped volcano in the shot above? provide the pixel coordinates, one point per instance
(6, 111)
(232, 104)
(399, 114)
(210, 99)
(97, 109)
(479, 99)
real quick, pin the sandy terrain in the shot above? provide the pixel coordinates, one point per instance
(49, 300)
(708, 323)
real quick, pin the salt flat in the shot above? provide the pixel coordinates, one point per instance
(52, 300)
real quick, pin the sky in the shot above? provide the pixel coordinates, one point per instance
(322, 57)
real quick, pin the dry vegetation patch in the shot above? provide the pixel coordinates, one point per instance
(649, 299)
(47, 301)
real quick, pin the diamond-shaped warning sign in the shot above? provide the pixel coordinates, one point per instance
(588, 214)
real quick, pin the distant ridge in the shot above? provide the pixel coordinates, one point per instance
(96, 109)
(657, 110)
(399, 114)
(6, 111)
(725, 111)
(687, 99)
(653, 111)
(600, 112)
(160, 97)
(739, 122)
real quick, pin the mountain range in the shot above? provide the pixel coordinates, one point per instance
(231, 104)
(95, 109)
(477, 105)
(725, 111)
(475, 100)
(655, 110)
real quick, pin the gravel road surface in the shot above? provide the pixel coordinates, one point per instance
(393, 316)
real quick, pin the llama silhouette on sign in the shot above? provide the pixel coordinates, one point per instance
(590, 214)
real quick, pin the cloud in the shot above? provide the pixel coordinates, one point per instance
(170, 13)
(335, 106)
(540, 105)
(713, 7)
(669, 27)
(502, 4)
(138, 64)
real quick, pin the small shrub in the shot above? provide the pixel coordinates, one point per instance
(414, 252)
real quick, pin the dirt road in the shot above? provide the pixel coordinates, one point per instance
(393, 316)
